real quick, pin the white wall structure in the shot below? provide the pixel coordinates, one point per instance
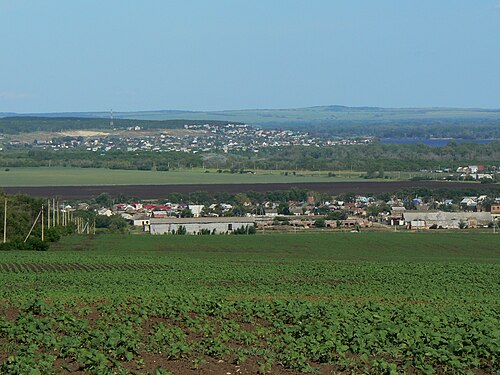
(221, 225)
(425, 219)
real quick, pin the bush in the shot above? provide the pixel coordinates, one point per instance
(320, 223)
(248, 229)
(181, 230)
(36, 244)
(33, 243)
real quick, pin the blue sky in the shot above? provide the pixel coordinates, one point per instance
(207, 55)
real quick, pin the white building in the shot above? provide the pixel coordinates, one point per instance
(447, 220)
(194, 225)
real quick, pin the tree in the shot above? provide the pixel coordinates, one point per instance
(284, 209)
(320, 223)
(186, 213)
(118, 224)
(104, 200)
(337, 215)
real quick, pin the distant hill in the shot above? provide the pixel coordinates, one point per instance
(303, 116)
(341, 120)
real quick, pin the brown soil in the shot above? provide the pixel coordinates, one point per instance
(157, 191)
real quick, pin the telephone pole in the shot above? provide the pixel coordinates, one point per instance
(5, 223)
(43, 226)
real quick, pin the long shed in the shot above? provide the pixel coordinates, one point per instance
(216, 225)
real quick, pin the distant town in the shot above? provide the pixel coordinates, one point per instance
(191, 139)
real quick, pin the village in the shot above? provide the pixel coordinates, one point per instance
(348, 212)
(190, 139)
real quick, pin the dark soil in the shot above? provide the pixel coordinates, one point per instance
(160, 191)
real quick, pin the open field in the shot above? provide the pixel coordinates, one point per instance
(350, 302)
(44, 176)
(59, 176)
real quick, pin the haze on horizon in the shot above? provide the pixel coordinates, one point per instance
(60, 56)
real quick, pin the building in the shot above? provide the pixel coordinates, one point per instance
(195, 225)
(495, 210)
(446, 220)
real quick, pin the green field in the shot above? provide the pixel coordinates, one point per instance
(44, 176)
(58, 176)
(275, 303)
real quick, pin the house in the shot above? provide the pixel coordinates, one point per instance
(447, 220)
(140, 221)
(495, 210)
(105, 212)
(396, 216)
(196, 209)
(194, 225)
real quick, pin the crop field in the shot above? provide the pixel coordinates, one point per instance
(59, 176)
(268, 303)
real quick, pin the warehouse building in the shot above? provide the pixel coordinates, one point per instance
(446, 220)
(197, 225)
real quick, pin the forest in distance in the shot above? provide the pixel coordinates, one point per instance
(373, 157)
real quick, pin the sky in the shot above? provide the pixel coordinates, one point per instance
(94, 55)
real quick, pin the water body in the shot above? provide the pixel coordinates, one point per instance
(436, 142)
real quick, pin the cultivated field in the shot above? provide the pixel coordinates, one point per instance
(57, 176)
(43, 176)
(351, 303)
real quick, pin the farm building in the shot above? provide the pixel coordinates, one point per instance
(448, 220)
(194, 225)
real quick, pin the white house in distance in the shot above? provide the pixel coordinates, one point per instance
(194, 225)
(196, 209)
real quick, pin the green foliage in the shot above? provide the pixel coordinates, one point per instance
(247, 229)
(337, 215)
(181, 230)
(118, 224)
(320, 223)
(362, 303)
(104, 200)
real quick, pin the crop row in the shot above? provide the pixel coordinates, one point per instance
(61, 267)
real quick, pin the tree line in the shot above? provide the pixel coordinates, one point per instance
(363, 158)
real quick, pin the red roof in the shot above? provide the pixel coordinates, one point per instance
(163, 208)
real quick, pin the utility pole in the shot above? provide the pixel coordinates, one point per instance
(5, 223)
(32, 227)
(43, 230)
(48, 213)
